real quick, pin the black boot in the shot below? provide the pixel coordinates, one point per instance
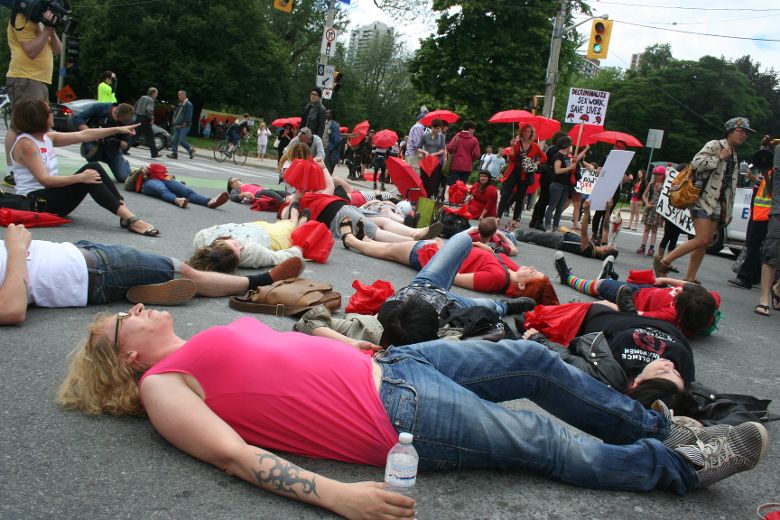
(519, 305)
(625, 300)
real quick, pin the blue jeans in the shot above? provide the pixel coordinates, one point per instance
(117, 163)
(559, 194)
(608, 288)
(180, 137)
(169, 190)
(446, 395)
(117, 268)
(443, 267)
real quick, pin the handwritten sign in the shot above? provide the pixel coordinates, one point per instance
(586, 181)
(679, 217)
(611, 174)
(586, 106)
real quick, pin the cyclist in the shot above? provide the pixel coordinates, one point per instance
(237, 131)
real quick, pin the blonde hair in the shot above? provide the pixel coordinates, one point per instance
(98, 380)
(296, 151)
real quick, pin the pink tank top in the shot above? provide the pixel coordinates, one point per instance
(288, 391)
(251, 188)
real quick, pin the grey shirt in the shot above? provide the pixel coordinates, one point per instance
(144, 107)
(432, 144)
(317, 150)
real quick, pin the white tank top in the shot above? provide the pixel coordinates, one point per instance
(25, 181)
(57, 274)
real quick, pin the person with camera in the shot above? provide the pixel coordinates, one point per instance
(109, 149)
(33, 45)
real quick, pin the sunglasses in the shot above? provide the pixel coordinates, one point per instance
(120, 316)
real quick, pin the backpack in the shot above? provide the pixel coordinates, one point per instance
(453, 224)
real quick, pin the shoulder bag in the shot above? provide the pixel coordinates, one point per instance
(445, 170)
(14, 201)
(287, 297)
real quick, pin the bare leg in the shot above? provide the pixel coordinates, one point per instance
(388, 236)
(397, 252)
(338, 181)
(645, 233)
(398, 228)
(138, 225)
(212, 284)
(653, 235)
(704, 228)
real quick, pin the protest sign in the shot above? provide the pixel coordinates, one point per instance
(679, 217)
(609, 180)
(586, 181)
(586, 106)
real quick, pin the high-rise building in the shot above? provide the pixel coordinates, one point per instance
(636, 60)
(588, 67)
(361, 37)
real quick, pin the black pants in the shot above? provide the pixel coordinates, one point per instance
(750, 271)
(537, 217)
(64, 200)
(146, 131)
(671, 234)
(508, 194)
(431, 183)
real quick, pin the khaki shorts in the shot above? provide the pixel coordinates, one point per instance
(770, 254)
(25, 88)
(412, 160)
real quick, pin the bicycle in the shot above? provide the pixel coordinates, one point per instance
(5, 102)
(239, 153)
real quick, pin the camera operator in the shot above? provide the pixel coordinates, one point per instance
(33, 46)
(107, 150)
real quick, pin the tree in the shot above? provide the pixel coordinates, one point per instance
(655, 58)
(767, 86)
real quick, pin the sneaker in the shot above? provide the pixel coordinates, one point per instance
(625, 299)
(519, 305)
(9, 180)
(192, 153)
(559, 261)
(172, 292)
(651, 251)
(684, 431)
(606, 268)
(641, 250)
(740, 449)
(739, 282)
(172, 156)
(290, 268)
(218, 200)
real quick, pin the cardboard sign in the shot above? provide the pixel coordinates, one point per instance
(586, 106)
(679, 217)
(609, 180)
(586, 181)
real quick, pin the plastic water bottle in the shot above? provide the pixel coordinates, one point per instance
(401, 468)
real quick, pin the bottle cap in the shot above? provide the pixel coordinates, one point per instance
(405, 438)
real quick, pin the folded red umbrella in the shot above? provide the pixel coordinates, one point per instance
(30, 219)
(359, 133)
(369, 298)
(385, 139)
(404, 177)
(444, 115)
(315, 240)
(305, 175)
(429, 164)
(616, 137)
(587, 132)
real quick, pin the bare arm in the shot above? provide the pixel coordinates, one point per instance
(87, 134)
(465, 280)
(13, 291)
(673, 282)
(645, 193)
(325, 332)
(181, 416)
(584, 225)
(28, 155)
(33, 48)
(509, 246)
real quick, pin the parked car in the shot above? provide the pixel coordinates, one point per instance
(734, 235)
(63, 122)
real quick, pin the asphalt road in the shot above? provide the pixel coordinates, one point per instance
(64, 465)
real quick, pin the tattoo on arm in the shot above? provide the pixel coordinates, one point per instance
(283, 475)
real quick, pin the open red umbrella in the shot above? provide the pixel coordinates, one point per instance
(343, 129)
(512, 116)
(30, 218)
(429, 164)
(404, 177)
(615, 137)
(546, 127)
(444, 115)
(587, 133)
(360, 131)
(294, 121)
(385, 139)
(305, 175)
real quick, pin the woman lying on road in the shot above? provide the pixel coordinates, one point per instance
(154, 180)
(202, 394)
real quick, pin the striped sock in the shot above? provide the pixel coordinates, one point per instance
(582, 285)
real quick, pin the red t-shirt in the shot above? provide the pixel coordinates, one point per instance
(357, 198)
(658, 303)
(287, 391)
(316, 202)
(480, 199)
(489, 275)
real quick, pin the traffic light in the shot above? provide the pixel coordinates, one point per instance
(72, 51)
(600, 31)
(336, 79)
(285, 6)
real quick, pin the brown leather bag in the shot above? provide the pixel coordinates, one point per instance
(288, 297)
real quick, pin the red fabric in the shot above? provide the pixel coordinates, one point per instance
(429, 164)
(316, 202)
(587, 131)
(369, 298)
(357, 198)
(464, 148)
(456, 193)
(405, 179)
(30, 219)
(657, 302)
(480, 199)
(314, 239)
(534, 152)
(273, 387)
(157, 171)
(559, 323)
(251, 188)
(385, 139)
(646, 276)
(489, 275)
(305, 175)
(360, 131)
(264, 203)
(445, 115)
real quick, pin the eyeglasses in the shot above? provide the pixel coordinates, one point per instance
(120, 316)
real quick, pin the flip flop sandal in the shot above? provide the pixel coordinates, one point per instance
(345, 229)
(127, 223)
(762, 310)
(361, 232)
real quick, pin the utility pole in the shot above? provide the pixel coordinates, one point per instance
(63, 52)
(552, 65)
(328, 23)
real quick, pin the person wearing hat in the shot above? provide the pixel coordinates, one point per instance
(652, 218)
(314, 114)
(716, 170)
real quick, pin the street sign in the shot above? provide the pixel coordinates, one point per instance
(325, 81)
(586, 106)
(655, 138)
(328, 47)
(320, 69)
(330, 69)
(327, 93)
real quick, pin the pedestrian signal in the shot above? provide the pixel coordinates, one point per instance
(71, 51)
(600, 32)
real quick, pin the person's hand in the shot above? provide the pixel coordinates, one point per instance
(17, 236)
(89, 176)
(366, 345)
(370, 500)
(128, 129)
(50, 17)
(529, 332)
(480, 245)
(113, 75)
(726, 152)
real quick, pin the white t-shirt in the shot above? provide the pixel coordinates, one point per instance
(25, 181)
(57, 273)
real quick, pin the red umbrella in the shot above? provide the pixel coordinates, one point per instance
(615, 137)
(30, 218)
(546, 127)
(404, 177)
(343, 129)
(429, 164)
(305, 175)
(360, 131)
(385, 139)
(444, 115)
(587, 133)
(293, 121)
(513, 116)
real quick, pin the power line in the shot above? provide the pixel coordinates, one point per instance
(699, 33)
(687, 7)
(706, 22)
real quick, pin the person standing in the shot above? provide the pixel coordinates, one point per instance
(144, 114)
(432, 143)
(182, 119)
(517, 179)
(285, 136)
(262, 140)
(314, 114)
(331, 141)
(106, 89)
(415, 139)
(716, 173)
(562, 180)
(770, 255)
(636, 202)
(464, 148)
(30, 69)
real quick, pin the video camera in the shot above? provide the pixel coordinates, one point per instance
(33, 10)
